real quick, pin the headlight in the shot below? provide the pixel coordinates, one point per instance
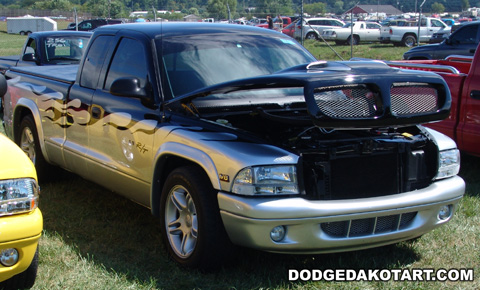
(266, 180)
(449, 163)
(18, 196)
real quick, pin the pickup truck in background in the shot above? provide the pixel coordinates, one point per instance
(408, 35)
(362, 32)
(48, 48)
(462, 74)
(232, 134)
(463, 41)
(92, 24)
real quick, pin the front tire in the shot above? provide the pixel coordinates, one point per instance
(192, 229)
(311, 35)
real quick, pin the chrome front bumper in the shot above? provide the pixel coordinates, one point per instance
(314, 226)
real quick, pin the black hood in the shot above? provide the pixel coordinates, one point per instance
(352, 94)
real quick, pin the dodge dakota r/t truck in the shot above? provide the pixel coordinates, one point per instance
(237, 135)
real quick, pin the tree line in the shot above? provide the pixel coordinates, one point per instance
(223, 9)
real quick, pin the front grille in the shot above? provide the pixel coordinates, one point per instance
(346, 102)
(368, 226)
(413, 98)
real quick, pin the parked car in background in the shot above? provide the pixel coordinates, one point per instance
(89, 25)
(21, 220)
(278, 23)
(440, 36)
(362, 32)
(408, 35)
(313, 27)
(463, 41)
(256, 21)
(289, 30)
(49, 48)
(241, 22)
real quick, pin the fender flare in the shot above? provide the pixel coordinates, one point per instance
(27, 104)
(182, 151)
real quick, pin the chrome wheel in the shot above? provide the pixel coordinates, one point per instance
(181, 221)
(27, 143)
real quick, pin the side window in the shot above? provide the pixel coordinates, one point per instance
(30, 47)
(466, 35)
(86, 26)
(128, 61)
(94, 61)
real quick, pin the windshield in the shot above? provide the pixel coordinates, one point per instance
(195, 61)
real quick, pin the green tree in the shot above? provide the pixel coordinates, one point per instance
(219, 8)
(53, 5)
(315, 8)
(338, 7)
(465, 5)
(437, 8)
(106, 8)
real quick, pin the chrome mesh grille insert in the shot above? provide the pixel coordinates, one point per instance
(346, 102)
(413, 98)
(368, 226)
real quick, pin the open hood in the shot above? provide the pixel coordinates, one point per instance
(352, 94)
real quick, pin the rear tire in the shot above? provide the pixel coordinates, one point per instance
(353, 40)
(27, 140)
(409, 40)
(191, 226)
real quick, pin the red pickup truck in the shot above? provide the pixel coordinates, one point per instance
(462, 74)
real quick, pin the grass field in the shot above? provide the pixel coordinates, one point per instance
(94, 239)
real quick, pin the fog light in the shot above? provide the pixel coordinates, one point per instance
(445, 212)
(9, 257)
(278, 233)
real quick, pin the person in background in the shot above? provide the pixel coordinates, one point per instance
(270, 22)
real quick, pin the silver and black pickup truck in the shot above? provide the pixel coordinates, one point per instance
(238, 136)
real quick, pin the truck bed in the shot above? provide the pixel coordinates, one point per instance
(63, 73)
(8, 61)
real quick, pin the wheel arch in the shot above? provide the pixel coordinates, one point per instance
(175, 155)
(23, 108)
(409, 34)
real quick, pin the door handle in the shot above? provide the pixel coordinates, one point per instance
(475, 95)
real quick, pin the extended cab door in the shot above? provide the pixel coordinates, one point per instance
(123, 120)
(372, 32)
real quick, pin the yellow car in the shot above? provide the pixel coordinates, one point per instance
(21, 221)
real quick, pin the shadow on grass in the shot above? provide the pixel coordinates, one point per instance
(112, 231)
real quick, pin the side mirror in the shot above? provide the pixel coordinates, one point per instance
(29, 57)
(128, 87)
